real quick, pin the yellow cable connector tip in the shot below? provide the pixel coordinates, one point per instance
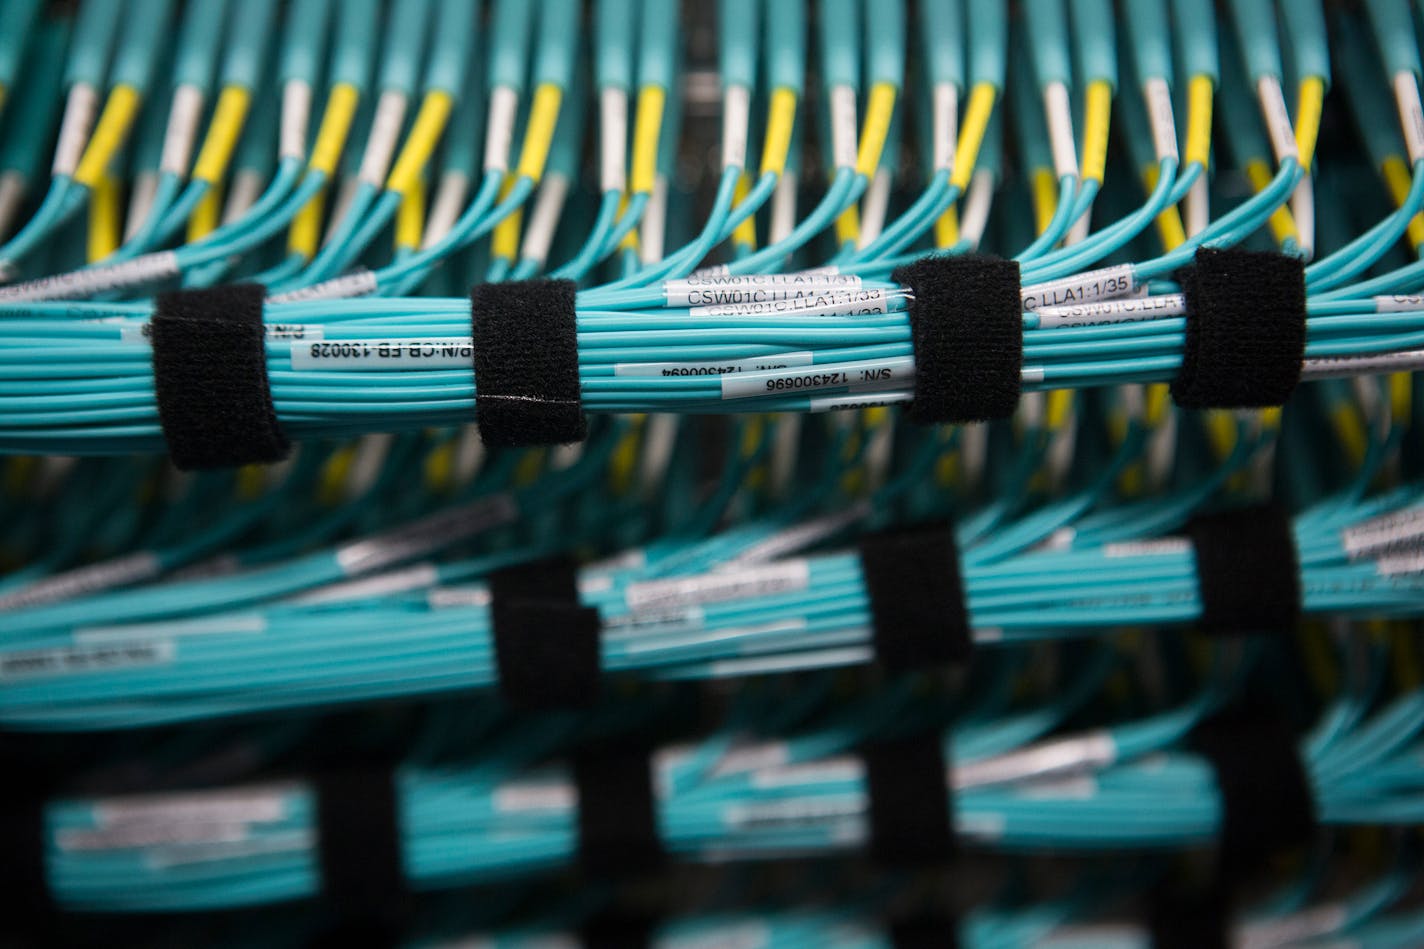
(206, 215)
(223, 132)
(410, 217)
(305, 235)
(109, 135)
(1310, 101)
(878, 113)
(647, 130)
(971, 132)
(780, 122)
(1097, 116)
(420, 144)
(1199, 104)
(335, 127)
(539, 133)
(103, 219)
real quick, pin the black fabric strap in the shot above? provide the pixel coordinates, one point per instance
(1188, 917)
(966, 324)
(910, 816)
(611, 931)
(27, 905)
(1247, 571)
(546, 643)
(1267, 803)
(526, 363)
(925, 932)
(917, 603)
(359, 841)
(1245, 339)
(618, 816)
(210, 377)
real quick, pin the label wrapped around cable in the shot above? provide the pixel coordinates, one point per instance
(1245, 340)
(546, 643)
(966, 325)
(210, 378)
(526, 363)
(917, 605)
(1248, 574)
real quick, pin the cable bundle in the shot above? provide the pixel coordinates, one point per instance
(621, 473)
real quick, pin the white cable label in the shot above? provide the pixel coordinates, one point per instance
(93, 280)
(652, 233)
(81, 108)
(841, 403)
(382, 138)
(736, 123)
(82, 581)
(386, 355)
(856, 377)
(1106, 283)
(946, 125)
(1411, 114)
(544, 218)
(1113, 311)
(237, 624)
(613, 138)
(1399, 303)
(719, 586)
(87, 657)
(499, 133)
(357, 283)
(673, 369)
(263, 805)
(1278, 123)
(1059, 111)
(975, 216)
(1161, 118)
(1161, 547)
(751, 288)
(861, 302)
(182, 129)
(415, 577)
(274, 331)
(843, 127)
(448, 205)
(1340, 367)
(296, 116)
(426, 535)
(783, 208)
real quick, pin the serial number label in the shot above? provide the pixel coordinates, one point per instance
(865, 377)
(384, 355)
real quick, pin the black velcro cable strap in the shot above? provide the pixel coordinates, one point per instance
(1245, 340)
(910, 816)
(925, 932)
(618, 832)
(1248, 573)
(1188, 917)
(966, 324)
(917, 602)
(526, 363)
(610, 931)
(210, 377)
(546, 643)
(1267, 803)
(25, 900)
(359, 841)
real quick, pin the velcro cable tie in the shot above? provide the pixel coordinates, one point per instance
(1267, 803)
(26, 900)
(618, 833)
(1245, 339)
(611, 931)
(359, 841)
(966, 325)
(910, 815)
(917, 599)
(210, 378)
(1248, 573)
(925, 932)
(546, 642)
(1182, 916)
(527, 390)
